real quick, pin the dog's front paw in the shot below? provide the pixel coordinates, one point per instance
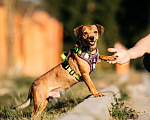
(99, 95)
(112, 58)
(108, 58)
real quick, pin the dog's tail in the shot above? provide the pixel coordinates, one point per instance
(26, 103)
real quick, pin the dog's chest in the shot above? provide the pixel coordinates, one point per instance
(92, 59)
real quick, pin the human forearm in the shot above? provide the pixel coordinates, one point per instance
(135, 52)
(142, 47)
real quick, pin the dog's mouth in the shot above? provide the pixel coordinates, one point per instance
(92, 43)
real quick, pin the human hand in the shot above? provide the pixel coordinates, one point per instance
(123, 55)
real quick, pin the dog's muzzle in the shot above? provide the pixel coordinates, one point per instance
(91, 38)
(91, 42)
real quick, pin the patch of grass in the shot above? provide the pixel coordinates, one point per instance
(57, 109)
(19, 92)
(19, 87)
(119, 112)
(23, 81)
(54, 109)
(7, 113)
(124, 95)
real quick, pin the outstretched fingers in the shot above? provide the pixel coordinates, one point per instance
(123, 56)
(112, 50)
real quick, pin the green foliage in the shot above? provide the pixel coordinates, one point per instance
(122, 19)
(74, 13)
(119, 112)
(125, 21)
(134, 21)
(124, 95)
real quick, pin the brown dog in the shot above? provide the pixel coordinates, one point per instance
(77, 65)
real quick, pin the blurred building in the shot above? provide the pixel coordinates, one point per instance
(37, 43)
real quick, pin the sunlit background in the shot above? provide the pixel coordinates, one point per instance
(33, 34)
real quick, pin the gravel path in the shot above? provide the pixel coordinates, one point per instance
(140, 97)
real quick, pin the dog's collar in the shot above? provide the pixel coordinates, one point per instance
(79, 51)
(91, 49)
(87, 49)
(84, 48)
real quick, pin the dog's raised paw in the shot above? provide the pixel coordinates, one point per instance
(108, 58)
(112, 58)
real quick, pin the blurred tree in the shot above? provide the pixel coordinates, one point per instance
(124, 20)
(13, 7)
(134, 20)
(10, 6)
(83, 12)
(126, 17)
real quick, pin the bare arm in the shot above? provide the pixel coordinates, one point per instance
(124, 56)
(141, 47)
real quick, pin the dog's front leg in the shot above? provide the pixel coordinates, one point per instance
(91, 86)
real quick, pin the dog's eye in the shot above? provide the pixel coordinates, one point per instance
(85, 33)
(95, 31)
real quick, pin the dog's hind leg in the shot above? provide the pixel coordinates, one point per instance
(38, 108)
(40, 101)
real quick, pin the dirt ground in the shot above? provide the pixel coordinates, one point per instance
(140, 97)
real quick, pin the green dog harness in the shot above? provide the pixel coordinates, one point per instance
(90, 58)
(67, 67)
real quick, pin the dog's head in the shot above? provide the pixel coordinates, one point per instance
(89, 34)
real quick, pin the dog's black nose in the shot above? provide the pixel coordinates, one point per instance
(91, 37)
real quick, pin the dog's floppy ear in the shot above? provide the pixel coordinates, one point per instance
(100, 29)
(78, 31)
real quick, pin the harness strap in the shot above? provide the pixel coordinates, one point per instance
(91, 59)
(67, 67)
(63, 56)
(79, 51)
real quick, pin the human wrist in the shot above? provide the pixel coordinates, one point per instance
(128, 52)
